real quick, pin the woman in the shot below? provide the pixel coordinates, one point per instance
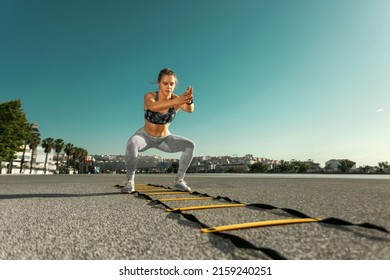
(160, 110)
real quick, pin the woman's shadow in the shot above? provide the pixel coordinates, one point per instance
(54, 195)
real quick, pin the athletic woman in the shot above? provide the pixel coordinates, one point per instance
(160, 110)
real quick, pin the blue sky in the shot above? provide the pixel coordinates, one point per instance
(299, 79)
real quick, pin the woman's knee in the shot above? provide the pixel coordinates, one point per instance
(132, 148)
(131, 144)
(136, 143)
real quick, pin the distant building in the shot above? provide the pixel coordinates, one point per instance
(38, 163)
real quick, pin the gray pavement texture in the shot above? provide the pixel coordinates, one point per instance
(83, 217)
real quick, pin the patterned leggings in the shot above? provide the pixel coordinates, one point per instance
(142, 141)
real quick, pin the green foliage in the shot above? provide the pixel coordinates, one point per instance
(79, 156)
(296, 166)
(13, 129)
(33, 136)
(69, 149)
(59, 145)
(299, 167)
(366, 169)
(258, 167)
(47, 144)
(383, 167)
(284, 166)
(345, 165)
(16, 134)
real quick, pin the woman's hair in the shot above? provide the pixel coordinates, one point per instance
(166, 71)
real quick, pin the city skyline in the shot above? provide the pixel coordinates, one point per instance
(234, 157)
(282, 79)
(49, 163)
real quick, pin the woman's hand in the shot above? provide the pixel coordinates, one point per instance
(186, 97)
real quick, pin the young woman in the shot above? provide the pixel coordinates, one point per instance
(160, 110)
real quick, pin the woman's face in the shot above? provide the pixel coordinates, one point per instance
(167, 84)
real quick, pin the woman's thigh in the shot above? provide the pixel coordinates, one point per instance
(175, 143)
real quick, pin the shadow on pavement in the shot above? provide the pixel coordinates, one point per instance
(53, 195)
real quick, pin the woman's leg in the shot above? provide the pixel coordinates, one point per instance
(174, 144)
(136, 143)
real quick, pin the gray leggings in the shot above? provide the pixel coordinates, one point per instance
(141, 141)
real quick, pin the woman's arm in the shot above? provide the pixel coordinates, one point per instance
(189, 105)
(189, 108)
(156, 106)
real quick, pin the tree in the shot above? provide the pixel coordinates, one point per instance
(383, 167)
(13, 131)
(58, 147)
(76, 156)
(284, 166)
(34, 143)
(32, 129)
(328, 167)
(47, 144)
(83, 158)
(365, 169)
(303, 167)
(80, 155)
(345, 165)
(258, 167)
(69, 150)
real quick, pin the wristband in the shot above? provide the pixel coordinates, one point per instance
(189, 103)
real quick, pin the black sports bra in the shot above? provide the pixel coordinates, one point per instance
(158, 118)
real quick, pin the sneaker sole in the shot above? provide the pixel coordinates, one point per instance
(180, 188)
(127, 191)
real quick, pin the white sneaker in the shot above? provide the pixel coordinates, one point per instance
(129, 187)
(182, 186)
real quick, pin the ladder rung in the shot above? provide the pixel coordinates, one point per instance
(259, 224)
(189, 208)
(165, 193)
(185, 198)
(155, 190)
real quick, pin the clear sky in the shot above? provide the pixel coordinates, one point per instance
(299, 79)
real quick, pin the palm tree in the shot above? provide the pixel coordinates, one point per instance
(31, 130)
(26, 140)
(58, 147)
(75, 156)
(83, 156)
(69, 150)
(47, 144)
(80, 155)
(34, 143)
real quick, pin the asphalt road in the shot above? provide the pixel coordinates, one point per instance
(79, 217)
